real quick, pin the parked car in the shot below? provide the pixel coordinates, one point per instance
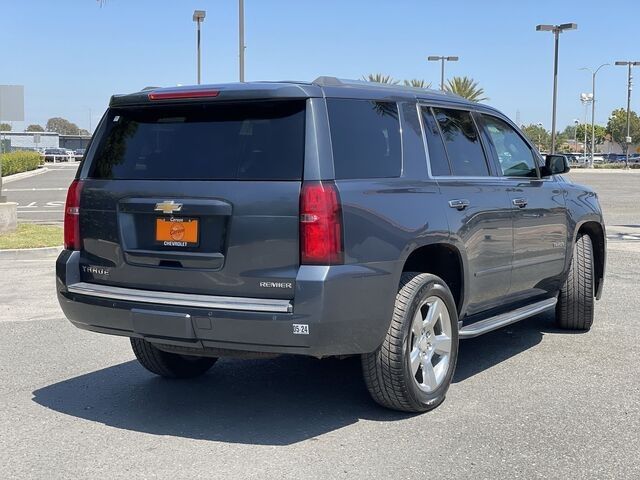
(56, 155)
(78, 154)
(329, 218)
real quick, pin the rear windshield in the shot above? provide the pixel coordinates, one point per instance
(251, 141)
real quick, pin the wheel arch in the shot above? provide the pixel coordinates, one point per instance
(596, 232)
(444, 260)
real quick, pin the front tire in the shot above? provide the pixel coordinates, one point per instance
(169, 365)
(574, 310)
(412, 370)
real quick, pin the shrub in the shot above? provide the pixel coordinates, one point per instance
(20, 161)
(617, 165)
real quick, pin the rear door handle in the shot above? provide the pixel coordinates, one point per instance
(459, 204)
(520, 202)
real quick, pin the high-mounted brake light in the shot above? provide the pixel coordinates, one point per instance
(182, 94)
(72, 240)
(320, 224)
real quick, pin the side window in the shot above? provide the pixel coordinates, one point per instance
(437, 153)
(365, 137)
(514, 155)
(462, 143)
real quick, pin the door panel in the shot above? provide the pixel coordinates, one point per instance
(540, 236)
(476, 204)
(539, 212)
(484, 228)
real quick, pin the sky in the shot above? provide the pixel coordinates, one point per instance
(72, 55)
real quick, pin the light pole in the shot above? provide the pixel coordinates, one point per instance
(628, 138)
(557, 30)
(434, 58)
(593, 108)
(585, 98)
(198, 17)
(539, 125)
(241, 45)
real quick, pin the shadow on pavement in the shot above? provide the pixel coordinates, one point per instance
(265, 402)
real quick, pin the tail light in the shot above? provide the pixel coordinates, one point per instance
(320, 224)
(72, 240)
(179, 94)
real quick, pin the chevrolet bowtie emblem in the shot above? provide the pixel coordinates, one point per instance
(168, 207)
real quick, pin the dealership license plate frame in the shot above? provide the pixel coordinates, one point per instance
(168, 233)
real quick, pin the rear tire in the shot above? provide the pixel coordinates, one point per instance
(574, 310)
(412, 370)
(169, 365)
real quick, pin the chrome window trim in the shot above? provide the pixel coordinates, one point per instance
(181, 299)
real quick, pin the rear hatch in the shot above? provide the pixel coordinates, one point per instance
(196, 198)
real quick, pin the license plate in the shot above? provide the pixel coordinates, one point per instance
(177, 232)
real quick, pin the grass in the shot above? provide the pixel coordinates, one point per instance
(29, 235)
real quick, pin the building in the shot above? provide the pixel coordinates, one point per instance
(28, 140)
(34, 140)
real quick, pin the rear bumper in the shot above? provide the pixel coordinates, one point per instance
(346, 308)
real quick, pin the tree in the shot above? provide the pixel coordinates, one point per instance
(380, 78)
(84, 133)
(5, 127)
(417, 83)
(600, 131)
(62, 126)
(34, 128)
(617, 127)
(466, 87)
(538, 136)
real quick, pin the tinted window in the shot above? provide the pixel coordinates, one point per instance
(514, 155)
(462, 143)
(365, 137)
(437, 153)
(256, 141)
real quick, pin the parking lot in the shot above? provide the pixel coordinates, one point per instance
(41, 197)
(527, 401)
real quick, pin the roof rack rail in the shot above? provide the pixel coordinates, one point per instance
(324, 81)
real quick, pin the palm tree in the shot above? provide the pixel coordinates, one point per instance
(465, 87)
(417, 83)
(380, 78)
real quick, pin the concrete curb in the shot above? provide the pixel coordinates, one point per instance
(20, 176)
(29, 253)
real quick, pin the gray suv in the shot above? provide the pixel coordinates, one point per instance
(328, 218)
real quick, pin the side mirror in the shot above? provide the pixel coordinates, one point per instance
(555, 165)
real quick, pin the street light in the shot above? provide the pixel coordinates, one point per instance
(586, 99)
(628, 138)
(593, 107)
(556, 29)
(539, 125)
(434, 58)
(241, 45)
(198, 17)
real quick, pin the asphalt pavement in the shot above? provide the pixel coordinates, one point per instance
(41, 197)
(528, 401)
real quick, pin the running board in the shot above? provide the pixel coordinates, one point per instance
(504, 319)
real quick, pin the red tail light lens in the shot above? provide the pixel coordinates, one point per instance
(72, 240)
(320, 224)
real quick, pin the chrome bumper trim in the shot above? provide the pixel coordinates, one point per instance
(181, 299)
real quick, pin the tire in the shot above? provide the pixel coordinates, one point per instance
(169, 365)
(574, 310)
(388, 373)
